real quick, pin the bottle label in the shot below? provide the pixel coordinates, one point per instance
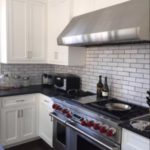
(104, 94)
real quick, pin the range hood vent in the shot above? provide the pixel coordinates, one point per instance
(123, 23)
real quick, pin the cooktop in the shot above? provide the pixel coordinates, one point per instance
(126, 114)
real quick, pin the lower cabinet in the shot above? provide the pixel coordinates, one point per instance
(45, 122)
(21, 119)
(133, 141)
(18, 122)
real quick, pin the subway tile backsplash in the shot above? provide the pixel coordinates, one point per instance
(126, 66)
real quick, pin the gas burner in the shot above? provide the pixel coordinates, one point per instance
(122, 110)
(75, 94)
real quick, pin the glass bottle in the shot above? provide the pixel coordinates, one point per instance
(105, 90)
(99, 87)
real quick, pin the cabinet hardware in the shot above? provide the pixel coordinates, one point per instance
(21, 113)
(18, 114)
(29, 54)
(19, 101)
(56, 55)
(46, 101)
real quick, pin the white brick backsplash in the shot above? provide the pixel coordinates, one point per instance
(131, 51)
(126, 66)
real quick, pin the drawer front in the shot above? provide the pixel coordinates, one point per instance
(132, 141)
(17, 100)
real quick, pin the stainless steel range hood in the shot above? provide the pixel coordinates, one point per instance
(123, 23)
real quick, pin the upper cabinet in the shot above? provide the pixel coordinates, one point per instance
(59, 15)
(23, 31)
(85, 6)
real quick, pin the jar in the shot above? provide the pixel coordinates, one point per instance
(26, 81)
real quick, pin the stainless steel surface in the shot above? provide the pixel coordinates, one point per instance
(86, 114)
(117, 107)
(56, 117)
(122, 23)
(92, 138)
(87, 99)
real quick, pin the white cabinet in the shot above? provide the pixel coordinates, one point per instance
(59, 15)
(23, 31)
(45, 122)
(133, 141)
(18, 120)
(28, 122)
(85, 6)
(10, 125)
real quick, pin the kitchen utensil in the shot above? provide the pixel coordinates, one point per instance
(117, 107)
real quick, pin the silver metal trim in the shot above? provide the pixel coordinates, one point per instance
(57, 118)
(92, 138)
(122, 23)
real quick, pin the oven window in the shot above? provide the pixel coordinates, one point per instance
(83, 144)
(61, 133)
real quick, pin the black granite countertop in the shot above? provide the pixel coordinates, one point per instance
(51, 92)
(48, 91)
(126, 125)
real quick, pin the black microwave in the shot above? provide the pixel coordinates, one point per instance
(67, 82)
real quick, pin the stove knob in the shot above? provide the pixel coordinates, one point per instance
(68, 115)
(58, 107)
(54, 106)
(96, 126)
(83, 123)
(111, 132)
(64, 111)
(103, 129)
(90, 124)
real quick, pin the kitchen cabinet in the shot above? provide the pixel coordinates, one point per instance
(18, 119)
(45, 122)
(59, 15)
(23, 31)
(85, 6)
(133, 141)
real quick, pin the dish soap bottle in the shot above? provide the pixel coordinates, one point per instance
(105, 90)
(99, 87)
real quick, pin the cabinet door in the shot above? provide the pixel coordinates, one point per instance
(10, 125)
(37, 30)
(17, 30)
(45, 122)
(59, 15)
(133, 141)
(28, 122)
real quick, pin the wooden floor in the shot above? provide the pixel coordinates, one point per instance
(35, 145)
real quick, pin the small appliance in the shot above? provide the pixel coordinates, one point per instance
(67, 82)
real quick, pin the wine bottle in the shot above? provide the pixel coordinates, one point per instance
(105, 90)
(99, 87)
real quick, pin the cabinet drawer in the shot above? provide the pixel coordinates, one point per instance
(133, 141)
(17, 100)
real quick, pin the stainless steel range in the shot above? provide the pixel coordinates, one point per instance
(77, 127)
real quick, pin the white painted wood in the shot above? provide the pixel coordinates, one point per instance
(17, 30)
(10, 125)
(28, 122)
(37, 30)
(18, 119)
(61, 55)
(133, 141)
(18, 100)
(45, 123)
(23, 31)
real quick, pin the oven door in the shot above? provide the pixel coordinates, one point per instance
(79, 140)
(59, 134)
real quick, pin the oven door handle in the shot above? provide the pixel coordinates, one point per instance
(92, 138)
(53, 115)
